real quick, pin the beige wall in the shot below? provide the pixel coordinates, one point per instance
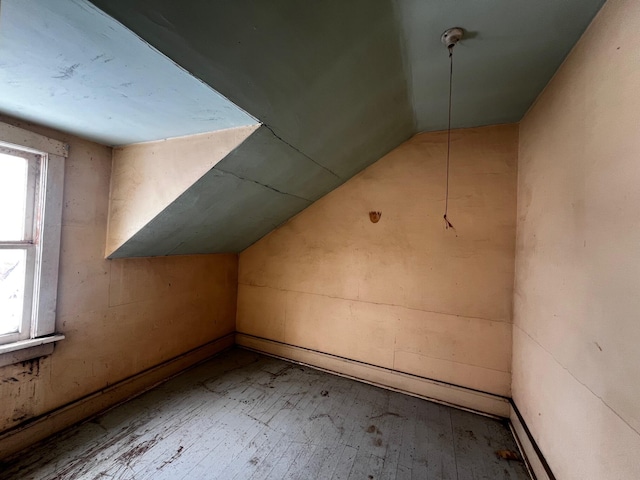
(122, 316)
(576, 375)
(404, 293)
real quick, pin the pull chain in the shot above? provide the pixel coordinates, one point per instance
(447, 223)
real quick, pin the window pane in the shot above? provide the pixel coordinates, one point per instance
(13, 196)
(12, 280)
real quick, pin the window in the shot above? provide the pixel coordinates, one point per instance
(20, 203)
(31, 177)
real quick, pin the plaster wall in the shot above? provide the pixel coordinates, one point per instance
(576, 361)
(119, 317)
(404, 293)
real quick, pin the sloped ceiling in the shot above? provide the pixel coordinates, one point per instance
(66, 64)
(326, 77)
(291, 61)
(336, 85)
(511, 50)
(328, 83)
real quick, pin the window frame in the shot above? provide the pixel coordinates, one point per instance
(44, 241)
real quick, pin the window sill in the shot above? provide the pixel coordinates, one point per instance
(24, 350)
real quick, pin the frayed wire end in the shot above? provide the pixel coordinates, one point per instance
(447, 223)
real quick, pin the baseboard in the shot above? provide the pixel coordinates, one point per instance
(38, 428)
(460, 397)
(536, 463)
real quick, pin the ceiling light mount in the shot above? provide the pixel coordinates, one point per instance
(452, 36)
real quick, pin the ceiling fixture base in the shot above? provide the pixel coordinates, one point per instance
(452, 36)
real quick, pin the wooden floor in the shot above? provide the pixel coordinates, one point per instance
(244, 415)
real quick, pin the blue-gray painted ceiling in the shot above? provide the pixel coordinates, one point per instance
(336, 85)
(66, 64)
(511, 50)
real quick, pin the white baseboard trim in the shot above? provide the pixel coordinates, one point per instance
(433, 390)
(39, 428)
(536, 463)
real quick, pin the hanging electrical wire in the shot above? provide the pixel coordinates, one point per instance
(450, 38)
(447, 223)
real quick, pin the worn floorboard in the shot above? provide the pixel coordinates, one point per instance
(248, 416)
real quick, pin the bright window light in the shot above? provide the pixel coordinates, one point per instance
(13, 196)
(14, 192)
(12, 284)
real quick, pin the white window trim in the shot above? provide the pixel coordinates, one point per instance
(42, 336)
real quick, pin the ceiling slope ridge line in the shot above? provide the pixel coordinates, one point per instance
(245, 179)
(300, 151)
(255, 125)
(407, 64)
